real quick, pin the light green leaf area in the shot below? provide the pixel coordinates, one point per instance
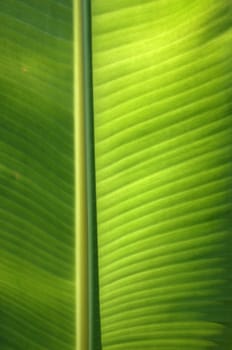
(37, 308)
(163, 138)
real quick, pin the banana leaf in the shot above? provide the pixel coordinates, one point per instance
(116, 139)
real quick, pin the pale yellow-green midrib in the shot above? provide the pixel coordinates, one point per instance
(80, 187)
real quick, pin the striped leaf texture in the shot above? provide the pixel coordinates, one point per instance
(37, 298)
(163, 148)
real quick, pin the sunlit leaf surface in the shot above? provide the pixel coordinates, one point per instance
(163, 138)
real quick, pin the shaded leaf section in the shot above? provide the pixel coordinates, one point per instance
(37, 286)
